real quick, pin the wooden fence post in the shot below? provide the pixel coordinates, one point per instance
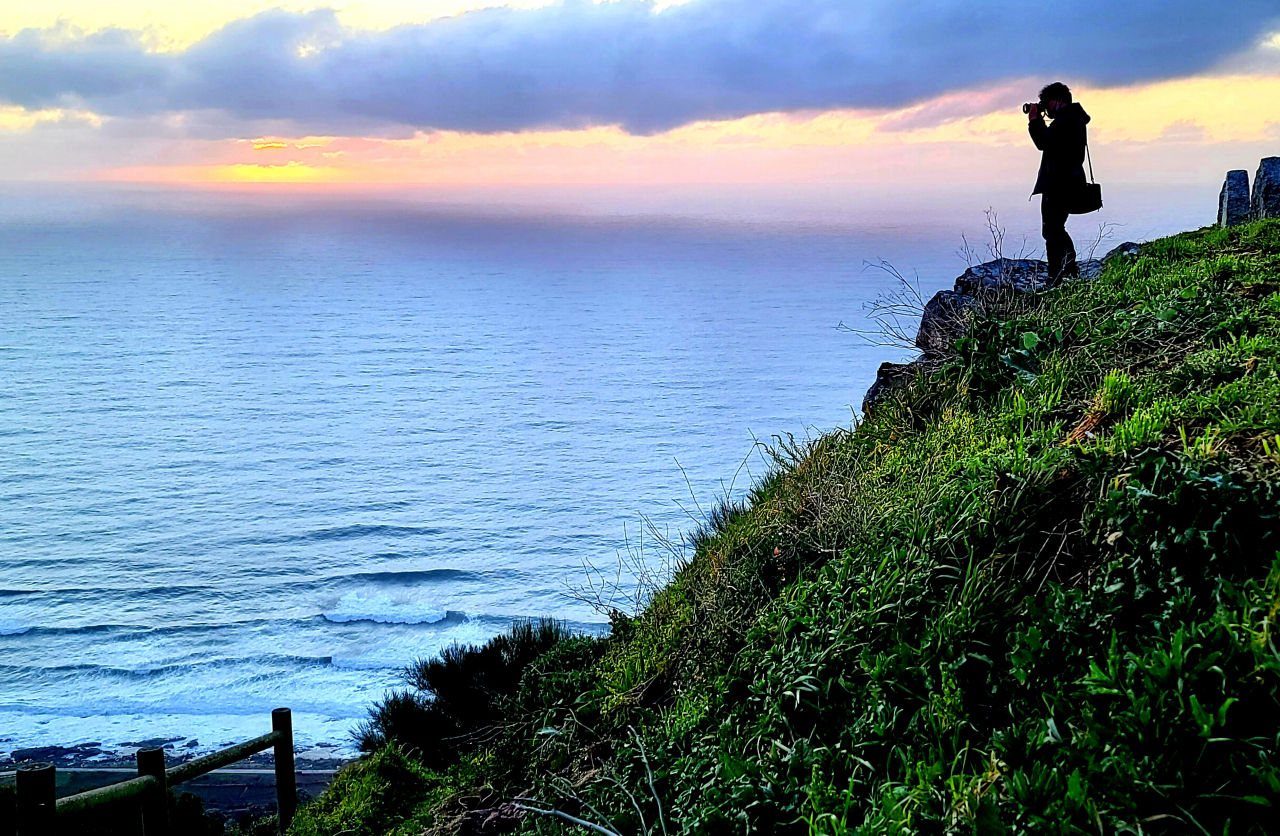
(155, 802)
(286, 781)
(37, 800)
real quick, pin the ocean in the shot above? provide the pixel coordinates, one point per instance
(262, 450)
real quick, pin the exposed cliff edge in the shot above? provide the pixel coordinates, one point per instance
(947, 316)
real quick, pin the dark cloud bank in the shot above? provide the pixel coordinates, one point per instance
(577, 63)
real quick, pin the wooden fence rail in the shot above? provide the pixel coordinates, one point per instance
(39, 810)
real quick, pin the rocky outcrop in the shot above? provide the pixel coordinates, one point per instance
(947, 316)
(1266, 190)
(1021, 275)
(1018, 274)
(1126, 250)
(889, 377)
(1233, 201)
(944, 320)
(1090, 268)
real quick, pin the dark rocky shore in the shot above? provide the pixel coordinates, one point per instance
(176, 750)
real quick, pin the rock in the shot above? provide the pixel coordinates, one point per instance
(1023, 274)
(1125, 250)
(1004, 274)
(888, 378)
(152, 742)
(1233, 201)
(945, 319)
(1090, 268)
(59, 755)
(1266, 190)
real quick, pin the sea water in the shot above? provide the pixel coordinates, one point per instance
(260, 452)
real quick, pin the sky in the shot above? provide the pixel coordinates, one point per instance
(784, 92)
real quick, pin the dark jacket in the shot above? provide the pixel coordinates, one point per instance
(1062, 163)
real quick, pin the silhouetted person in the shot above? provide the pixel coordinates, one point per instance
(1061, 179)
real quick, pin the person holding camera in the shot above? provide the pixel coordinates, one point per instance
(1061, 180)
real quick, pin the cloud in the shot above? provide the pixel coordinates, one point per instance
(1184, 130)
(952, 107)
(578, 63)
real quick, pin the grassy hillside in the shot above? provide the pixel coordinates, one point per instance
(1036, 591)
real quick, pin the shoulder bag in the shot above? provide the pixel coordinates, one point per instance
(1090, 197)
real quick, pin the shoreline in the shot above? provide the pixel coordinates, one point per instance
(93, 756)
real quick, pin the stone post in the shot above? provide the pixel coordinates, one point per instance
(1233, 202)
(1266, 190)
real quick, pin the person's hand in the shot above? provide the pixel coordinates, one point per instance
(1033, 114)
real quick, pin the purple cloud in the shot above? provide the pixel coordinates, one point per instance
(579, 63)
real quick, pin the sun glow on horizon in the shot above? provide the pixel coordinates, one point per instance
(1196, 112)
(292, 171)
(161, 120)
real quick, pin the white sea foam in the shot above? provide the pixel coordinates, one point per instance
(384, 609)
(215, 731)
(393, 657)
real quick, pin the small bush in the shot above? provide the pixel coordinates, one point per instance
(455, 700)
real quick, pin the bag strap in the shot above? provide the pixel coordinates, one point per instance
(1090, 159)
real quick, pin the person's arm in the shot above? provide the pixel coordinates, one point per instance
(1037, 128)
(1048, 137)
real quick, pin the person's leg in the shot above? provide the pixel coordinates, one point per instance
(1070, 270)
(1060, 250)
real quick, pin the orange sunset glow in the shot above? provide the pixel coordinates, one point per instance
(1202, 117)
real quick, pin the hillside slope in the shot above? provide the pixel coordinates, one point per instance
(1035, 591)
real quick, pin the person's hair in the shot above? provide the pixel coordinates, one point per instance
(1057, 91)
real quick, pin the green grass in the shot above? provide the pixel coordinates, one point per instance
(1036, 591)
(386, 794)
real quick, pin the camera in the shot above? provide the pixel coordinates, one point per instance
(1026, 108)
